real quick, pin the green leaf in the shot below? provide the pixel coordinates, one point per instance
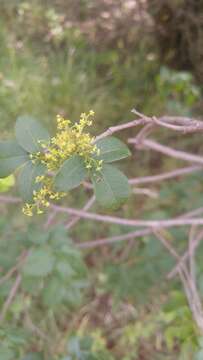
(80, 348)
(27, 180)
(31, 284)
(111, 187)
(17, 336)
(11, 157)
(112, 149)
(7, 183)
(65, 270)
(39, 263)
(54, 291)
(71, 174)
(58, 237)
(35, 235)
(28, 133)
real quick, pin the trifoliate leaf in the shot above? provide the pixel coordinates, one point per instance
(112, 149)
(12, 155)
(111, 187)
(29, 132)
(27, 180)
(71, 174)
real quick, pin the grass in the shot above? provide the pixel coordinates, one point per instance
(45, 81)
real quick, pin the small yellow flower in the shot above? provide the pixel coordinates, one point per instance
(39, 179)
(39, 211)
(28, 209)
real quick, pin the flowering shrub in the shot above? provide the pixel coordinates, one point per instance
(52, 166)
(44, 271)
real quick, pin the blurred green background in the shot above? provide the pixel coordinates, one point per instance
(67, 57)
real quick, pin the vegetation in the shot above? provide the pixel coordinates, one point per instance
(72, 288)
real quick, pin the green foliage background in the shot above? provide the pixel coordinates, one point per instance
(108, 302)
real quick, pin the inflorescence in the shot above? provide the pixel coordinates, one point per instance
(70, 139)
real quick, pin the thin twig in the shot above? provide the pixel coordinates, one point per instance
(191, 251)
(35, 329)
(188, 283)
(50, 219)
(198, 126)
(16, 267)
(177, 154)
(157, 178)
(176, 123)
(130, 235)
(180, 221)
(114, 239)
(75, 219)
(10, 297)
(110, 131)
(185, 256)
(168, 175)
(148, 192)
(143, 134)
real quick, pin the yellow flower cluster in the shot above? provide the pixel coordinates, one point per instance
(42, 197)
(70, 139)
